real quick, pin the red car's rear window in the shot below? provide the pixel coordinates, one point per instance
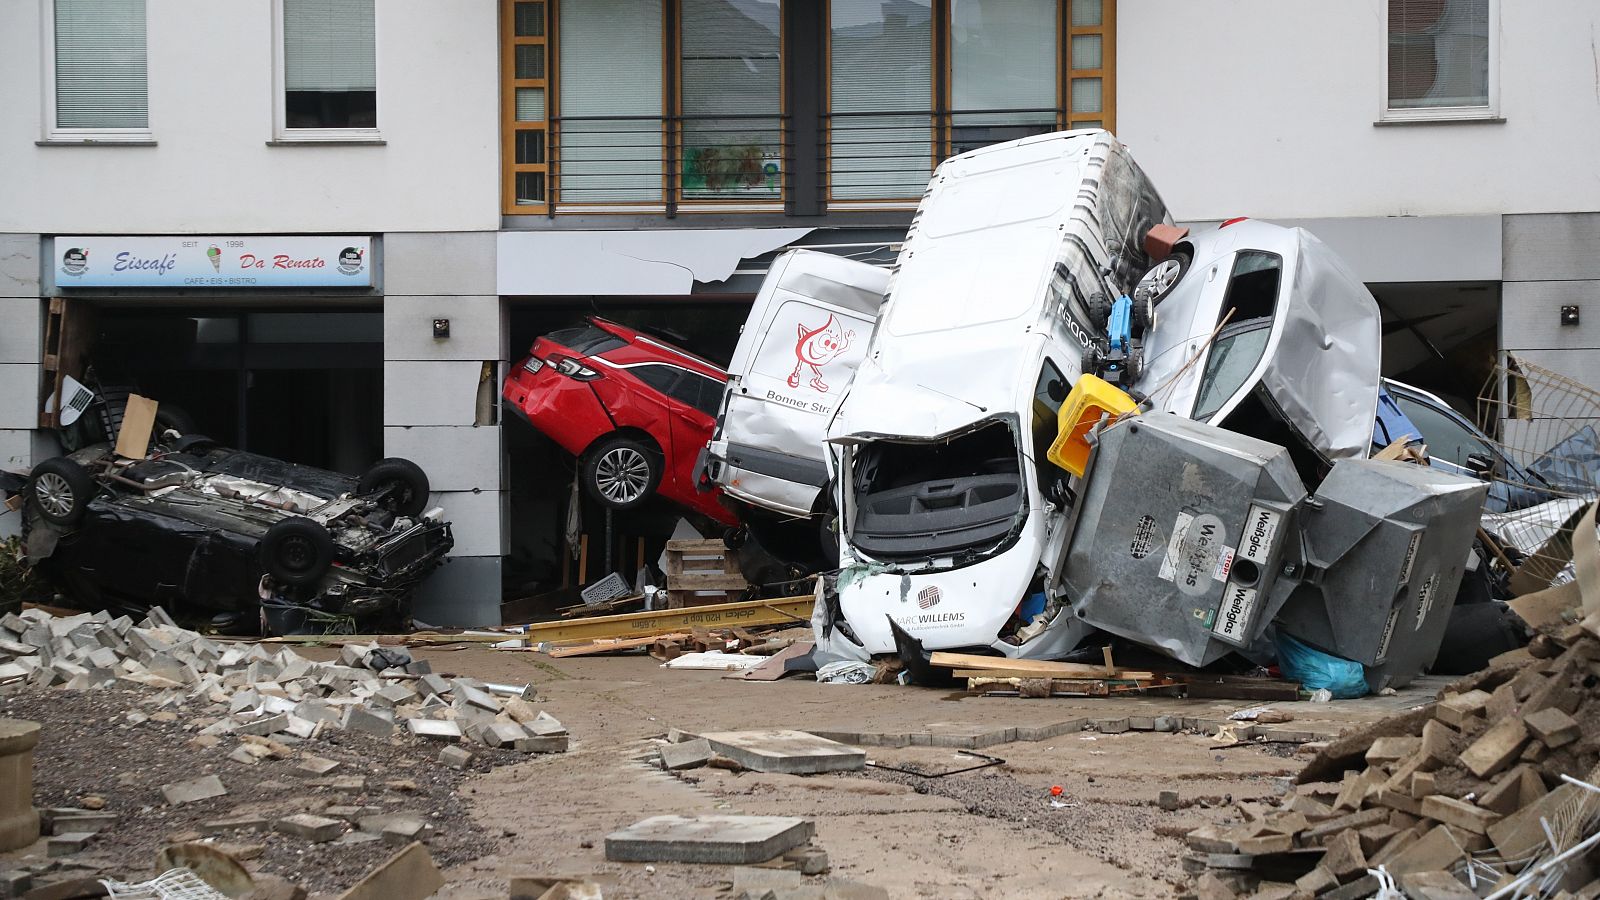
(586, 340)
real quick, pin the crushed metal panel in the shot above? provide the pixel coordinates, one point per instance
(1384, 549)
(1181, 536)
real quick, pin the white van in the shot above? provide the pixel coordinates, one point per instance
(798, 351)
(949, 513)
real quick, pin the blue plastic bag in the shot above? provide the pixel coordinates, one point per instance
(1316, 670)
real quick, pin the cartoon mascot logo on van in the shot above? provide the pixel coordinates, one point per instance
(816, 348)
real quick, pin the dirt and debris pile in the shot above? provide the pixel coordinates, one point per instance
(1474, 790)
(262, 693)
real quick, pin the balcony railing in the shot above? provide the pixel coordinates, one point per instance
(755, 162)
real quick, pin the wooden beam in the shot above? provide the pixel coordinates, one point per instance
(781, 611)
(1026, 668)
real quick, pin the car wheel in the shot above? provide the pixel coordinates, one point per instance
(296, 551)
(402, 483)
(1099, 306)
(621, 472)
(1090, 363)
(60, 490)
(1160, 280)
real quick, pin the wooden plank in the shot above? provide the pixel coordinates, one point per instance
(780, 611)
(1236, 689)
(706, 581)
(610, 645)
(700, 546)
(1034, 668)
(1122, 674)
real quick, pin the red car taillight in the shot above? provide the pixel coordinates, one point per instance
(571, 368)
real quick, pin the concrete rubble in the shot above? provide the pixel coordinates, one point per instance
(254, 693)
(1479, 784)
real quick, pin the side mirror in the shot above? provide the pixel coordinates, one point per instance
(1481, 465)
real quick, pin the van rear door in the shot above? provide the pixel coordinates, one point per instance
(806, 334)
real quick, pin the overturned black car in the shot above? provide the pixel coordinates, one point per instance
(254, 540)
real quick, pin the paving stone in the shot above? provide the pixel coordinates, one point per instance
(1496, 749)
(1435, 850)
(726, 840)
(1435, 886)
(687, 755)
(361, 719)
(264, 725)
(408, 875)
(1552, 726)
(68, 844)
(316, 765)
(503, 734)
(66, 821)
(317, 829)
(193, 790)
(434, 729)
(403, 831)
(535, 744)
(789, 752)
(467, 693)
(15, 883)
(455, 757)
(430, 685)
(1458, 813)
(1168, 800)
(1344, 856)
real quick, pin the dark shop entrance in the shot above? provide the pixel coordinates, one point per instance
(301, 385)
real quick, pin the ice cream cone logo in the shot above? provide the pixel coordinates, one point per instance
(214, 253)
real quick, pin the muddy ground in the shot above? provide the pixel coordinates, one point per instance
(992, 833)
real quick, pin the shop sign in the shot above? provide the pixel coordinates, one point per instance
(188, 261)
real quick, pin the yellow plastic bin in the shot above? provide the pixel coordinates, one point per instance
(1089, 398)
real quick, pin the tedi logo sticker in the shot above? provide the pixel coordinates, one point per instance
(75, 261)
(816, 348)
(350, 261)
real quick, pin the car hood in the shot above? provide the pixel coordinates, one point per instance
(937, 383)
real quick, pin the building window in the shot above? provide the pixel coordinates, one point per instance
(1440, 60)
(99, 66)
(328, 71)
(527, 102)
(610, 132)
(913, 82)
(645, 105)
(731, 101)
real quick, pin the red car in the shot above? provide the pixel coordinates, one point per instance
(634, 410)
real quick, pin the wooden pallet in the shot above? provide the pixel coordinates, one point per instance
(67, 332)
(702, 572)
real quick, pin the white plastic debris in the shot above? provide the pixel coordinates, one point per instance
(173, 884)
(846, 671)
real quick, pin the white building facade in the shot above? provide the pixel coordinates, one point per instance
(213, 161)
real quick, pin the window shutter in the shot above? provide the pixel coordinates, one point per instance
(1438, 53)
(882, 62)
(611, 66)
(329, 45)
(1004, 57)
(101, 64)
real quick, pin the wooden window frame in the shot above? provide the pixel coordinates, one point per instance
(509, 126)
(943, 64)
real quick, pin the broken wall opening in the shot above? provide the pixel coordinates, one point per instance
(1441, 337)
(540, 474)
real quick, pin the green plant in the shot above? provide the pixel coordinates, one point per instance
(18, 582)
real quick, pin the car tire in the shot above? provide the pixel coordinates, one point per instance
(1089, 364)
(1099, 306)
(171, 418)
(405, 482)
(296, 551)
(621, 472)
(1159, 281)
(60, 490)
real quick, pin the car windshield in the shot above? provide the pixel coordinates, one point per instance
(1234, 355)
(1445, 437)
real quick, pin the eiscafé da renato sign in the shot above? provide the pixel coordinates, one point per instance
(191, 261)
